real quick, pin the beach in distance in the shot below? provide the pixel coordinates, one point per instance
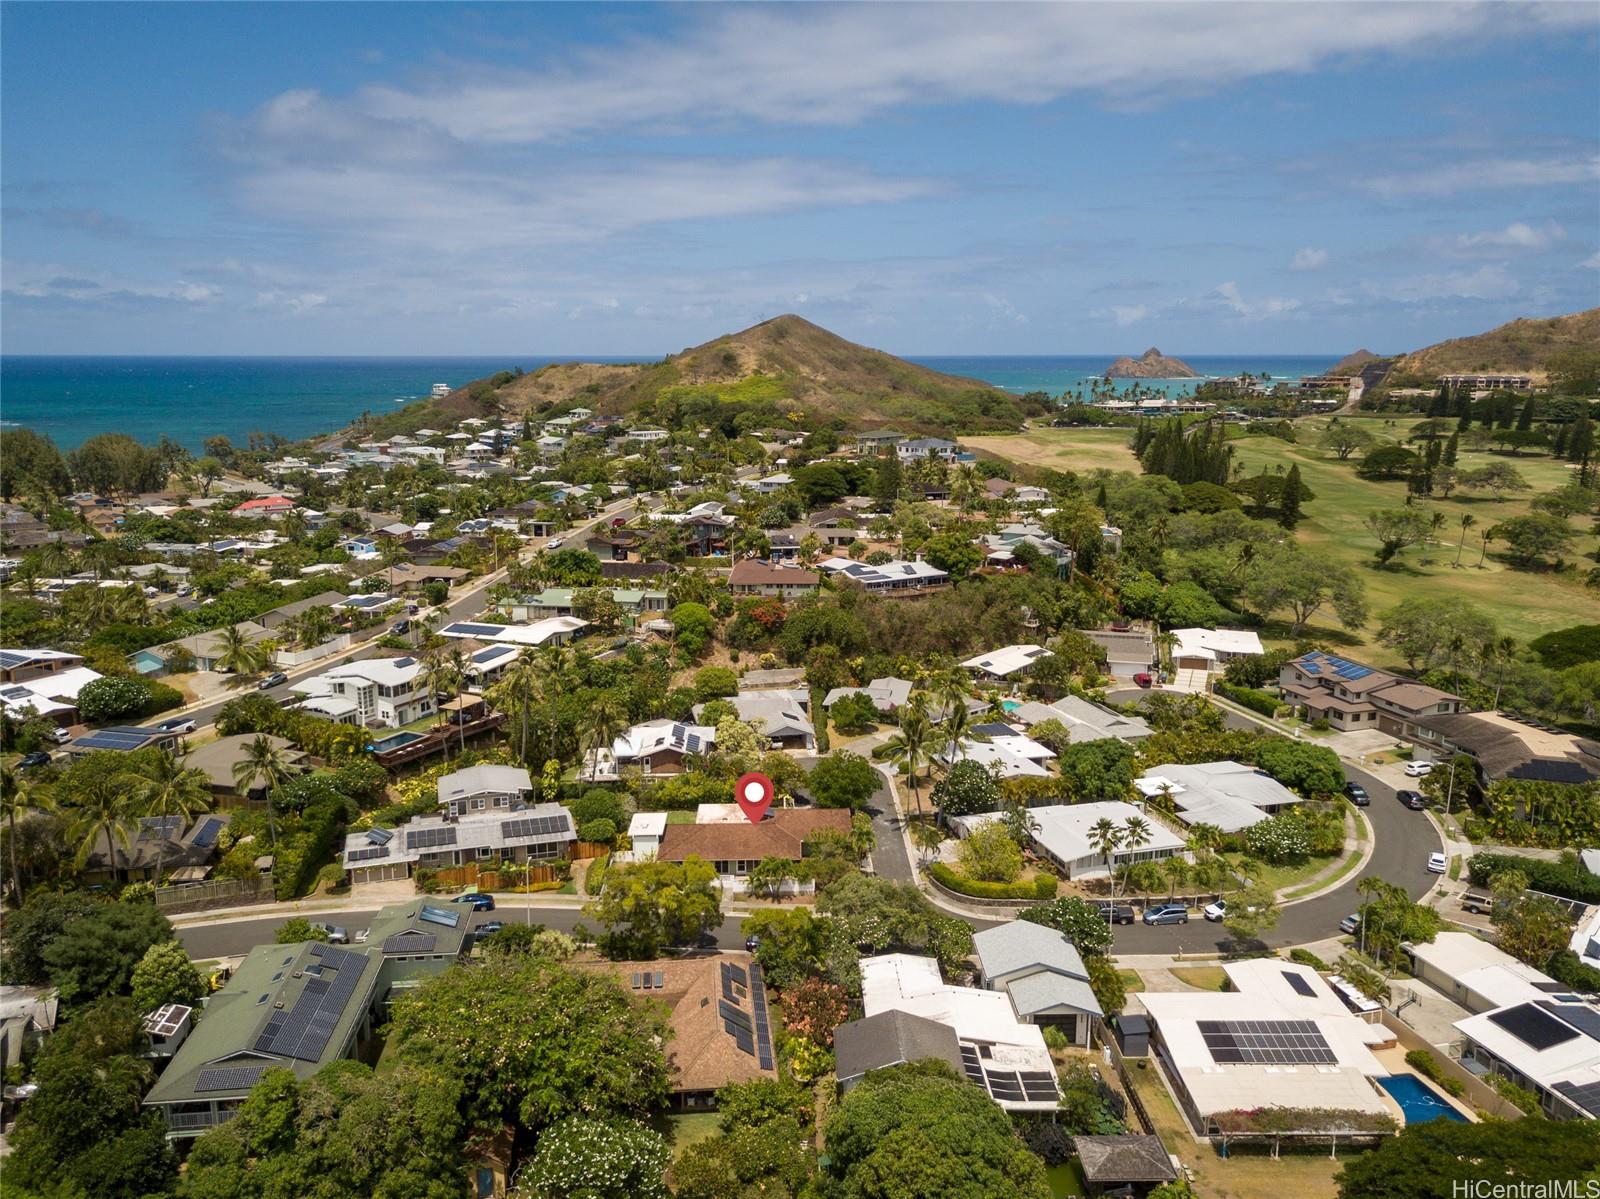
(189, 399)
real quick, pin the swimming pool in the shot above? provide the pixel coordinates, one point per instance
(1418, 1101)
(1010, 705)
(394, 741)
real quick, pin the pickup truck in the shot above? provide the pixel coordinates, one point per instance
(1480, 902)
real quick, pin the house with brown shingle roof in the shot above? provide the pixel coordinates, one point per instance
(734, 846)
(717, 1009)
(755, 577)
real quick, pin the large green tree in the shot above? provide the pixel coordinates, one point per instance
(843, 780)
(95, 955)
(544, 1041)
(921, 1130)
(1443, 1159)
(649, 906)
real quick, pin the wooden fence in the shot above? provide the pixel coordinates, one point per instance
(494, 879)
(1107, 1038)
(219, 893)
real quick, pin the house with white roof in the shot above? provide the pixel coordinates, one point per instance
(1000, 1053)
(645, 832)
(887, 694)
(374, 692)
(1062, 834)
(1476, 974)
(557, 630)
(1083, 720)
(484, 787)
(1002, 750)
(888, 578)
(1042, 972)
(655, 749)
(1000, 664)
(773, 483)
(1280, 1037)
(1212, 649)
(1548, 1042)
(1228, 795)
(52, 695)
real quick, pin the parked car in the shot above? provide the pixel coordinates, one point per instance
(1437, 863)
(1416, 770)
(276, 679)
(1480, 902)
(401, 628)
(1350, 923)
(1215, 911)
(553, 544)
(1116, 913)
(1415, 800)
(479, 901)
(1357, 794)
(179, 724)
(1144, 679)
(751, 944)
(336, 935)
(488, 929)
(60, 735)
(1167, 913)
(183, 589)
(36, 758)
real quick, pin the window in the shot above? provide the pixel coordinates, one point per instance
(479, 804)
(485, 851)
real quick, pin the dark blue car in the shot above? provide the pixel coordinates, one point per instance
(480, 903)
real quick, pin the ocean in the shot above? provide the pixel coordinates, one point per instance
(190, 399)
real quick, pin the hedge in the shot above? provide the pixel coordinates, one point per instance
(596, 878)
(1425, 1063)
(1043, 887)
(1257, 701)
(1566, 877)
(1305, 957)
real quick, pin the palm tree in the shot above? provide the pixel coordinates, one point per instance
(927, 836)
(1503, 651)
(1106, 835)
(602, 723)
(1165, 643)
(263, 763)
(174, 790)
(913, 746)
(1136, 832)
(460, 663)
(103, 810)
(235, 652)
(1467, 521)
(517, 691)
(19, 795)
(1177, 872)
(439, 678)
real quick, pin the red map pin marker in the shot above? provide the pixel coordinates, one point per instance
(754, 793)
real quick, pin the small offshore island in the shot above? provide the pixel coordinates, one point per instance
(1152, 364)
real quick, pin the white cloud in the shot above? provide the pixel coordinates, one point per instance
(1486, 174)
(1128, 314)
(1309, 259)
(1592, 262)
(1228, 296)
(50, 280)
(292, 303)
(1515, 236)
(1003, 308)
(1486, 283)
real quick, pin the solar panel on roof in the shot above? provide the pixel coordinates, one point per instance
(207, 836)
(112, 739)
(1266, 1042)
(1585, 1095)
(367, 854)
(230, 1078)
(431, 838)
(758, 1004)
(1300, 985)
(437, 915)
(734, 1015)
(1537, 1029)
(380, 836)
(410, 943)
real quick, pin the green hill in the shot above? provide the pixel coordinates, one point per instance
(1521, 347)
(784, 365)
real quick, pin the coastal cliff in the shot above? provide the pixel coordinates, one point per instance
(1152, 364)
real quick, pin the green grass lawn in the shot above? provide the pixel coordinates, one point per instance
(683, 1129)
(1524, 604)
(1207, 978)
(1131, 980)
(1066, 1180)
(1279, 877)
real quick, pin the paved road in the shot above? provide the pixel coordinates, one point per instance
(464, 606)
(238, 937)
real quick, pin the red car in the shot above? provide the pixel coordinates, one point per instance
(1144, 679)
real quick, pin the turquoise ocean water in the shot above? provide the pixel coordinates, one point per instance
(190, 399)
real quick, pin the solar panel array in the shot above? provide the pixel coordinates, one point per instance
(468, 628)
(971, 1064)
(207, 836)
(118, 739)
(758, 1001)
(647, 980)
(430, 838)
(1580, 1015)
(10, 659)
(738, 1025)
(362, 855)
(1266, 1042)
(159, 828)
(410, 943)
(437, 915)
(1537, 1029)
(230, 1078)
(1340, 668)
(304, 1030)
(534, 826)
(1299, 983)
(167, 1019)
(1585, 1095)
(380, 836)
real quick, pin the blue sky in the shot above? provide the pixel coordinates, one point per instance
(618, 179)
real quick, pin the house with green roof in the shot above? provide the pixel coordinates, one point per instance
(299, 1007)
(557, 601)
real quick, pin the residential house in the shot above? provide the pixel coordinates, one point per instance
(1476, 974)
(1349, 695)
(645, 831)
(283, 614)
(891, 1038)
(1488, 382)
(1503, 746)
(27, 1015)
(1128, 652)
(136, 848)
(1005, 1056)
(751, 576)
(1230, 796)
(22, 665)
(1209, 650)
(655, 749)
(614, 544)
(121, 738)
(1017, 493)
(1280, 1037)
(1044, 975)
(484, 787)
(206, 649)
(54, 696)
(888, 694)
(1545, 1039)
(918, 448)
(1004, 752)
(1128, 1164)
(895, 577)
(1063, 833)
(782, 714)
(556, 630)
(875, 441)
(734, 846)
(773, 483)
(1083, 719)
(542, 832)
(998, 665)
(218, 759)
(409, 576)
(265, 506)
(557, 601)
(373, 692)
